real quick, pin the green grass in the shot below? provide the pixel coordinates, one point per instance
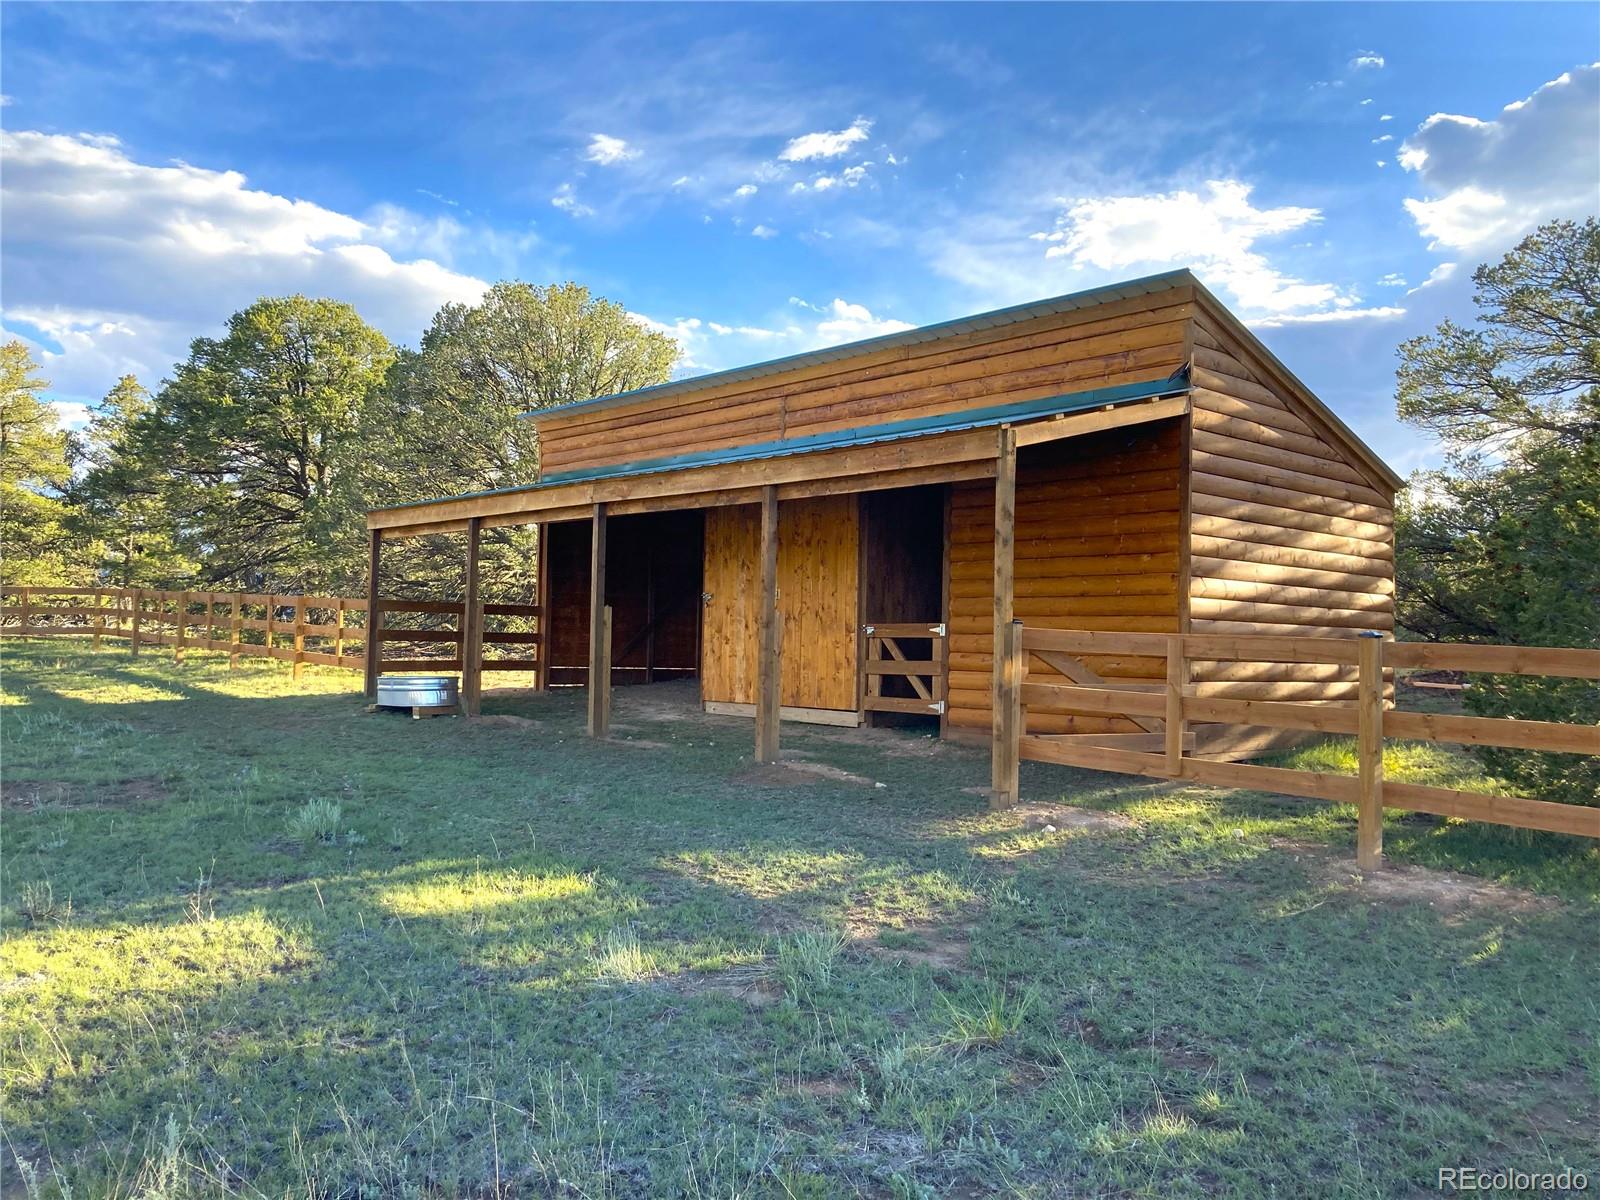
(259, 943)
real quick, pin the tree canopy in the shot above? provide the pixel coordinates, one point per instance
(1500, 546)
(34, 471)
(253, 466)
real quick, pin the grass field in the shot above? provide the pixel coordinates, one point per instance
(260, 943)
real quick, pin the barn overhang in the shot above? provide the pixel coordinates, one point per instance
(905, 453)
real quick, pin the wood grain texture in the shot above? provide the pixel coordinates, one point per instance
(1097, 547)
(1130, 340)
(1291, 533)
(818, 562)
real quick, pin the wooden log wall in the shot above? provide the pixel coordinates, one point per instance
(1290, 532)
(1121, 342)
(1097, 547)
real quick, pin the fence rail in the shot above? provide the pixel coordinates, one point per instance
(296, 629)
(1045, 667)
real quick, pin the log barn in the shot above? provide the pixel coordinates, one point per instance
(837, 536)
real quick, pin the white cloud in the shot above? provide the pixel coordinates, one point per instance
(681, 181)
(566, 199)
(1216, 232)
(608, 151)
(745, 189)
(847, 322)
(826, 145)
(848, 178)
(1378, 141)
(1392, 279)
(6, 101)
(1382, 162)
(715, 345)
(71, 414)
(1387, 117)
(1491, 181)
(1381, 313)
(111, 265)
(1367, 60)
(1440, 274)
(764, 231)
(1366, 102)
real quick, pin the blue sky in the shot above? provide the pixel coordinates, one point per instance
(762, 180)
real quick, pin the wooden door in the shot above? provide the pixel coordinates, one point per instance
(818, 571)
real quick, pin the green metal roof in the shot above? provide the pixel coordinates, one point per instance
(1149, 285)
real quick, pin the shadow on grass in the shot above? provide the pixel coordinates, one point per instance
(415, 1003)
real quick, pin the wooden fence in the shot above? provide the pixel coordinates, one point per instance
(327, 631)
(922, 670)
(1043, 667)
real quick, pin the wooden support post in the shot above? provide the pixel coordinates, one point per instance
(338, 628)
(472, 629)
(138, 611)
(27, 617)
(374, 615)
(211, 616)
(1369, 750)
(272, 621)
(1007, 760)
(235, 631)
(182, 626)
(769, 666)
(99, 622)
(541, 597)
(599, 630)
(1177, 681)
(299, 636)
(1003, 745)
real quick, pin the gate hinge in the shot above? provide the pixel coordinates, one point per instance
(938, 630)
(938, 707)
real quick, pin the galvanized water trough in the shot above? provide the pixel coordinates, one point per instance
(424, 695)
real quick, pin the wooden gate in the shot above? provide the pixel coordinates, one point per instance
(923, 668)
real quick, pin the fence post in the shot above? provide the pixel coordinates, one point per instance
(211, 617)
(338, 630)
(1177, 680)
(299, 635)
(183, 618)
(1369, 750)
(235, 631)
(22, 629)
(138, 611)
(272, 622)
(99, 622)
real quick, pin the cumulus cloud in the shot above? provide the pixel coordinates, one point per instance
(846, 322)
(826, 145)
(608, 151)
(111, 266)
(1216, 231)
(1488, 182)
(745, 189)
(1367, 60)
(764, 231)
